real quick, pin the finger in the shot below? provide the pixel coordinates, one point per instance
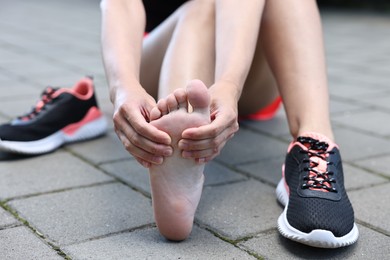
(139, 124)
(213, 152)
(197, 154)
(143, 163)
(206, 154)
(139, 141)
(205, 159)
(139, 153)
(211, 143)
(211, 130)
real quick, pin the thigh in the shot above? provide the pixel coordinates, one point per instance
(154, 48)
(260, 88)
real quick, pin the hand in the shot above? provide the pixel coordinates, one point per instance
(145, 142)
(206, 142)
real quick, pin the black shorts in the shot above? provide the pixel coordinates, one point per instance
(158, 10)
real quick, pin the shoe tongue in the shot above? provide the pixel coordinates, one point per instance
(321, 166)
(318, 163)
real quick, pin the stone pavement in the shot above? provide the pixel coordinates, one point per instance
(91, 200)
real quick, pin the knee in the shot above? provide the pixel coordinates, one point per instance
(200, 11)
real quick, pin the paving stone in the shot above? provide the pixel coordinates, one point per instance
(356, 178)
(370, 200)
(131, 172)
(6, 220)
(88, 66)
(342, 108)
(377, 164)
(107, 108)
(381, 101)
(20, 243)
(15, 89)
(3, 120)
(247, 146)
(216, 174)
(271, 245)
(65, 80)
(148, 244)
(81, 214)
(239, 210)
(35, 67)
(266, 170)
(276, 126)
(56, 171)
(64, 77)
(105, 149)
(352, 91)
(13, 108)
(355, 146)
(4, 77)
(367, 121)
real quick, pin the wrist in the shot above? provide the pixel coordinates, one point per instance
(226, 88)
(119, 89)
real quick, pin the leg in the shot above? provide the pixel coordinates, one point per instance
(190, 54)
(294, 49)
(177, 184)
(171, 51)
(317, 210)
(154, 49)
(260, 87)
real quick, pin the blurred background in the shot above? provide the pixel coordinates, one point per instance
(91, 200)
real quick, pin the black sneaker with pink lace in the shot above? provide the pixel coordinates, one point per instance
(62, 115)
(317, 211)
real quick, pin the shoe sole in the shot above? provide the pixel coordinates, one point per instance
(316, 238)
(89, 130)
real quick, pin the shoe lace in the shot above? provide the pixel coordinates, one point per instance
(46, 98)
(318, 177)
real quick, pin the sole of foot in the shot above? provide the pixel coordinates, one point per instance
(177, 183)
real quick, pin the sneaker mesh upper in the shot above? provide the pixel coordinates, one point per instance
(310, 209)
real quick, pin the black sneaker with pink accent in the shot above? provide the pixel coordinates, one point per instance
(61, 116)
(317, 211)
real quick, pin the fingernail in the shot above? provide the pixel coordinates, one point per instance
(186, 154)
(158, 159)
(146, 164)
(168, 152)
(201, 160)
(183, 146)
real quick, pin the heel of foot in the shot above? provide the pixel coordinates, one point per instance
(176, 222)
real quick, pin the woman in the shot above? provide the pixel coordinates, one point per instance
(243, 53)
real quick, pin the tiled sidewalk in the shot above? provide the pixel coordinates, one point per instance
(92, 201)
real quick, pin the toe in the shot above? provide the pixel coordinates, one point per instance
(155, 113)
(172, 103)
(162, 106)
(198, 95)
(181, 98)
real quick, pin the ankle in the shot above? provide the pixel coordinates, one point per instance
(313, 130)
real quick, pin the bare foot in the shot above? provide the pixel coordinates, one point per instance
(177, 183)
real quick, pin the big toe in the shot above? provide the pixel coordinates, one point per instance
(198, 96)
